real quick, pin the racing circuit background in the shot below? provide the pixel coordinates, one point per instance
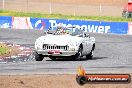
(112, 53)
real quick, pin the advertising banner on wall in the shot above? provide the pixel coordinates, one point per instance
(44, 24)
(38, 24)
(27, 23)
(20, 22)
(5, 21)
(90, 26)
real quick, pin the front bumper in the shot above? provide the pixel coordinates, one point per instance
(53, 53)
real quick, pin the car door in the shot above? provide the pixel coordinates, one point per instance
(86, 46)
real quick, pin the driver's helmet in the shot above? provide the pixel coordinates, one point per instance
(60, 26)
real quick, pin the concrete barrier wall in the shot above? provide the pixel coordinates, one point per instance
(44, 24)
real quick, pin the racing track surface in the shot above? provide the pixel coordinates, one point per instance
(113, 53)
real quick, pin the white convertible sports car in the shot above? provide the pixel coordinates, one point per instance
(65, 43)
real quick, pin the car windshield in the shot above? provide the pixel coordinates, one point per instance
(63, 31)
(77, 32)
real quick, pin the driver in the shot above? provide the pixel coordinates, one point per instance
(60, 28)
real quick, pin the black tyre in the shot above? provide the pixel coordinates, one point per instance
(90, 55)
(78, 55)
(38, 57)
(81, 80)
(52, 58)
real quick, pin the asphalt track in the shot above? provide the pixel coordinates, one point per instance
(113, 54)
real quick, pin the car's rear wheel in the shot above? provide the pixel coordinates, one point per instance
(52, 58)
(38, 57)
(90, 55)
(78, 55)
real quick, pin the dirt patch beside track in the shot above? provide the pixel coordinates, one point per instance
(50, 81)
(88, 2)
(69, 7)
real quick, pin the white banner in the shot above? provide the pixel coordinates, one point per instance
(21, 23)
(130, 28)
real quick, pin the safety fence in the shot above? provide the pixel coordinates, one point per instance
(44, 23)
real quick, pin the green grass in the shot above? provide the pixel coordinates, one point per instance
(60, 16)
(3, 50)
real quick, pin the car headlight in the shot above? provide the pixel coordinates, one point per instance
(72, 49)
(72, 43)
(38, 44)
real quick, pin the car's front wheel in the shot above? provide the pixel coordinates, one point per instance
(38, 57)
(78, 55)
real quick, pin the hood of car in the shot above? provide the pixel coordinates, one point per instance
(60, 39)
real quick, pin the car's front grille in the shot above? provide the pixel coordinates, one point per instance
(50, 47)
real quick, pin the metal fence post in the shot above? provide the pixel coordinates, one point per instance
(50, 7)
(100, 12)
(27, 6)
(74, 13)
(3, 4)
